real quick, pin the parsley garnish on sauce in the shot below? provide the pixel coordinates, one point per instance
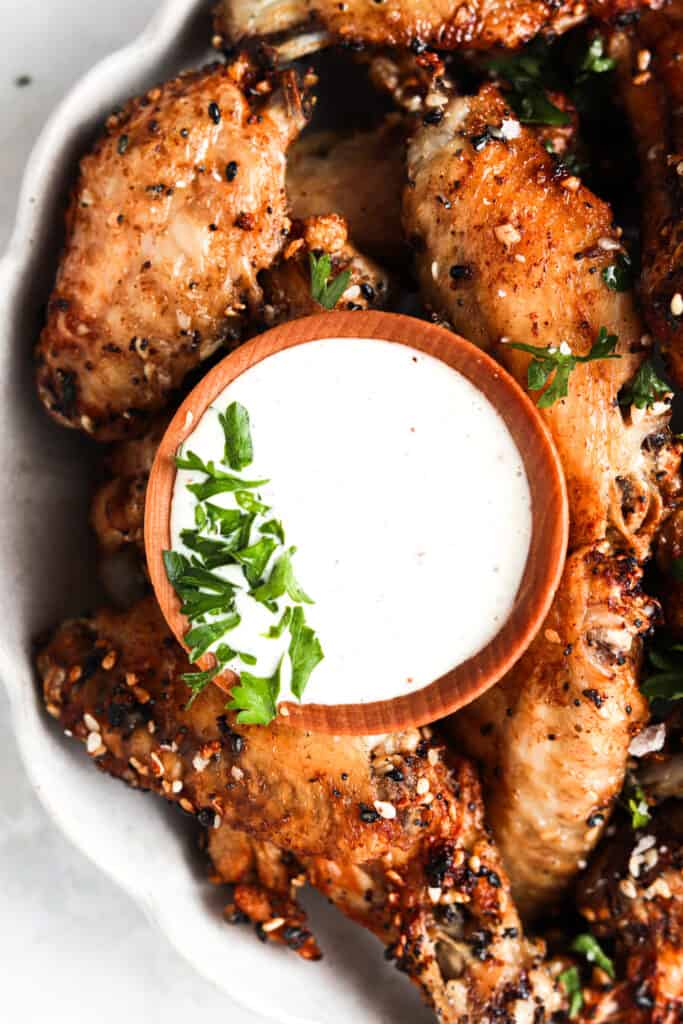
(589, 947)
(638, 808)
(571, 983)
(618, 276)
(665, 682)
(323, 290)
(559, 362)
(645, 389)
(253, 547)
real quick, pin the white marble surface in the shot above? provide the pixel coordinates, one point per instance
(73, 947)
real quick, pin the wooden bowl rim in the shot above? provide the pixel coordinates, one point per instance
(550, 515)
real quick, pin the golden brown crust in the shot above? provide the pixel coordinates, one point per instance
(397, 804)
(177, 208)
(443, 24)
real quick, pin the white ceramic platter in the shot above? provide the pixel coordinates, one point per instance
(47, 571)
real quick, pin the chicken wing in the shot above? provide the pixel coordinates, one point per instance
(651, 86)
(359, 176)
(508, 252)
(177, 208)
(445, 25)
(398, 806)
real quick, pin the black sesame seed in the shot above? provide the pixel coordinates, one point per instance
(433, 117)
(231, 170)
(368, 814)
(122, 145)
(461, 272)
(213, 227)
(396, 775)
(205, 817)
(184, 132)
(367, 291)
(595, 819)
(215, 112)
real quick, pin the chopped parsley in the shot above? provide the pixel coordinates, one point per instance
(589, 947)
(571, 983)
(560, 362)
(323, 290)
(645, 389)
(239, 450)
(238, 551)
(594, 61)
(525, 72)
(618, 276)
(638, 808)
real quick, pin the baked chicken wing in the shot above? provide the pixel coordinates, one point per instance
(443, 24)
(177, 208)
(397, 808)
(509, 252)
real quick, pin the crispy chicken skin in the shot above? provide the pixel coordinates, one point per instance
(507, 253)
(443, 24)
(399, 806)
(554, 735)
(264, 882)
(632, 894)
(358, 176)
(653, 100)
(287, 285)
(177, 208)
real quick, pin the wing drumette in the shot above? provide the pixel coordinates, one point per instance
(509, 252)
(176, 210)
(396, 806)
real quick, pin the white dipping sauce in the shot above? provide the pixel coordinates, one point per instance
(407, 500)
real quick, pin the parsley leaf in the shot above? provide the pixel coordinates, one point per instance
(571, 983)
(554, 361)
(305, 652)
(198, 681)
(200, 638)
(278, 629)
(618, 275)
(221, 483)
(589, 947)
(250, 503)
(255, 558)
(275, 528)
(525, 71)
(594, 61)
(638, 808)
(324, 291)
(282, 581)
(255, 698)
(645, 389)
(239, 450)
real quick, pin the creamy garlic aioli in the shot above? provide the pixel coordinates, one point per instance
(407, 500)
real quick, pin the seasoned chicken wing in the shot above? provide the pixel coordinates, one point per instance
(443, 24)
(177, 208)
(509, 252)
(358, 176)
(651, 86)
(397, 807)
(554, 735)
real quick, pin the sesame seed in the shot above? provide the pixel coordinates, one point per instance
(176, 786)
(628, 889)
(433, 756)
(273, 924)
(474, 863)
(109, 660)
(422, 785)
(507, 234)
(677, 304)
(608, 244)
(199, 763)
(572, 183)
(237, 773)
(643, 58)
(215, 112)
(434, 893)
(91, 724)
(186, 805)
(385, 809)
(93, 742)
(157, 765)
(217, 821)
(435, 270)
(139, 767)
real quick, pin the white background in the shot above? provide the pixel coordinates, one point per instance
(73, 947)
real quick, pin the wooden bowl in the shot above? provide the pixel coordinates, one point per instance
(549, 509)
